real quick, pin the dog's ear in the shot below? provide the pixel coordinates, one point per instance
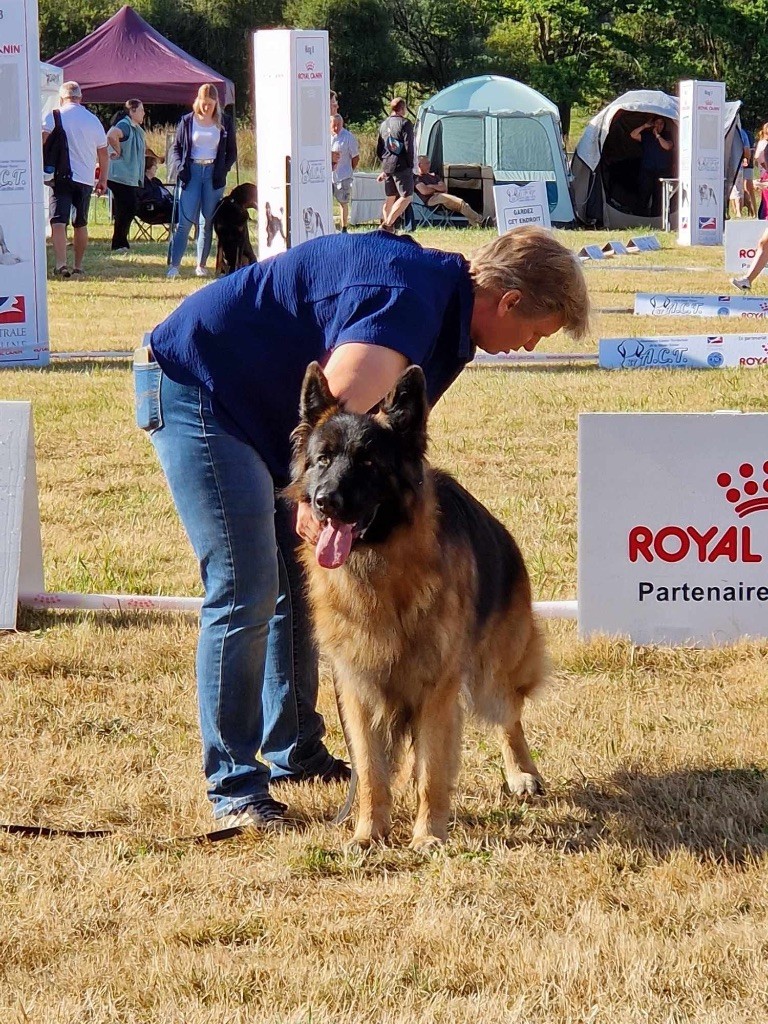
(406, 407)
(316, 398)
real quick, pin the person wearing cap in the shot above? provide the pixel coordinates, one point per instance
(88, 150)
(230, 363)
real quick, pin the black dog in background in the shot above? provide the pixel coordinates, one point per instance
(230, 222)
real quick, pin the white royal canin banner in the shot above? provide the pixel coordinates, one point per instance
(23, 303)
(293, 137)
(701, 163)
(518, 205)
(673, 526)
(741, 238)
(743, 307)
(684, 352)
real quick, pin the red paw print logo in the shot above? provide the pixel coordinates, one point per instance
(745, 493)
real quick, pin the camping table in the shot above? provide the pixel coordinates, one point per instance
(669, 187)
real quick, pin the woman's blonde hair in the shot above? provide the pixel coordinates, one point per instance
(208, 91)
(548, 275)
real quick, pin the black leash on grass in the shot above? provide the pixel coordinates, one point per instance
(47, 832)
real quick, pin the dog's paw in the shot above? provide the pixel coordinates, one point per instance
(426, 844)
(364, 839)
(524, 785)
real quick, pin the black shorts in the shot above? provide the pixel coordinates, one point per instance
(70, 195)
(400, 183)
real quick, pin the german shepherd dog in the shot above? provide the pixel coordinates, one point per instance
(230, 222)
(417, 593)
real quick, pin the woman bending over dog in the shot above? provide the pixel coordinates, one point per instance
(232, 358)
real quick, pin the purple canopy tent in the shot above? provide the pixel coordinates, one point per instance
(126, 57)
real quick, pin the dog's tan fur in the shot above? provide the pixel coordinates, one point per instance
(398, 624)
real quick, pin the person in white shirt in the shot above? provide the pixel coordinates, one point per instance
(345, 157)
(87, 143)
(203, 152)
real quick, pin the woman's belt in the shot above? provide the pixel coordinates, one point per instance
(203, 162)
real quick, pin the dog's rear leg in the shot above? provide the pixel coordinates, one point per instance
(436, 744)
(371, 761)
(520, 770)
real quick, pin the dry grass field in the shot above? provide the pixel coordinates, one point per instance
(636, 892)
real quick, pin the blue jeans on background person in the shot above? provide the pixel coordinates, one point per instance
(196, 204)
(256, 663)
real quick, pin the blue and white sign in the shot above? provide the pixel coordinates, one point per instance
(743, 307)
(519, 205)
(684, 352)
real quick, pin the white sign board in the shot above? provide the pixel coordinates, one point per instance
(673, 526)
(741, 238)
(701, 163)
(23, 303)
(743, 307)
(293, 137)
(518, 205)
(684, 352)
(21, 557)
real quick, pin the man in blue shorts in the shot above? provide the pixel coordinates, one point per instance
(230, 362)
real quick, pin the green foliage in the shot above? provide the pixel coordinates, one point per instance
(577, 52)
(365, 62)
(442, 41)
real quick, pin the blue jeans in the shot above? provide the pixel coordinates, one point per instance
(197, 202)
(256, 663)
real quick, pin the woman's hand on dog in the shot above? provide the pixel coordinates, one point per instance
(307, 526)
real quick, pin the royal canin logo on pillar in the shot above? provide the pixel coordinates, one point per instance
(745, 491)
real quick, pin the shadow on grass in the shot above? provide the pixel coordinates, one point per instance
(719, 815)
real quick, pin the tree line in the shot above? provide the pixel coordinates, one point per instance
(577, 52)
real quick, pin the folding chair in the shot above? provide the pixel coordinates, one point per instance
(155, 212)
(429, 216)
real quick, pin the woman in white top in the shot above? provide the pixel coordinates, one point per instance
(204, 150)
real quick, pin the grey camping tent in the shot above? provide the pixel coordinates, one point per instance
(605, 164)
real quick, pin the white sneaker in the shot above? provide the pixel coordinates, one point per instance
(201, 272)
(120, 252)
(742, 282)
(172, 272)
(268, 816)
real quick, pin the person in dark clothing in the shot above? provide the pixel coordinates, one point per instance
(396, 151)
(219, 389)
(655, 163)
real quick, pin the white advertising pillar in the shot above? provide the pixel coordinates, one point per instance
(293, 137)
(23, 304)
(701, 163)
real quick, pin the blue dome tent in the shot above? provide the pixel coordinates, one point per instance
(502, 124)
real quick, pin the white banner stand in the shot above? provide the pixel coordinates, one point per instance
(293, 137)
(741, 238)
(21, 553)
(23, 302)
(701, 163)
(673, 526)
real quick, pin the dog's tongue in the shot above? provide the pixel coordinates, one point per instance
(334, 544)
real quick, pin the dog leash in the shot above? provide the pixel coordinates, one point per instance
(50, 832)
(346, 809)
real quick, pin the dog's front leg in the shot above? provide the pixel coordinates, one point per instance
(436, 741)
(369, 751)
